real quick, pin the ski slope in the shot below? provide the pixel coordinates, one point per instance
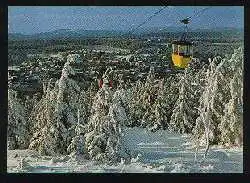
(152, 152)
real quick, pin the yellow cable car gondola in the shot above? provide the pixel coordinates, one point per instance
(182, 50)
(182, 53)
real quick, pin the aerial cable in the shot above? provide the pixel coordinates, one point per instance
(197, 14)
(202, 11)
(185, 21)
(147, 20)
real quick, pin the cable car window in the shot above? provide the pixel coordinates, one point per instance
(174, 48)
(191, 50)
(187, 50)
(181, 49)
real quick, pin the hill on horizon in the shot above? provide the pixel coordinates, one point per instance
(67, 33)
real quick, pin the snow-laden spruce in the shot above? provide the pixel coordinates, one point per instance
(151, 102)
(55, 114)
(43, 139)
(143, 108)
(104, 132)
(168, 98)
(77, 145)
(135, 105)
(184, 111)
(231, 126)
(18, 127)
(159, 118)
(220, 110)
(148, 98)
(204, 121)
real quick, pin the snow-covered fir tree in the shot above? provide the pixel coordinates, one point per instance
(43, 139)
(77, 145)
(103, 137)
(29, 105)
(158, 117)
(151, 102)
(30, 102)
(118, 116)
(206, 126)
(169, 97)
(57, 115)
(184, 112)
(231, 126)
(220, 110)
(180, 119)
(86, 100)
(135, 105)
(18, 127)
(221, 97)
(148, 98)
(120, 103)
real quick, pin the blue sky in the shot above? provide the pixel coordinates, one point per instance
(35, 19)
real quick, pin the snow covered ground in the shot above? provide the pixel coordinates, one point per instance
(158, 152)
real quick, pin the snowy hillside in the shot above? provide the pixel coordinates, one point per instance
(152, 153)
(187, 122)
